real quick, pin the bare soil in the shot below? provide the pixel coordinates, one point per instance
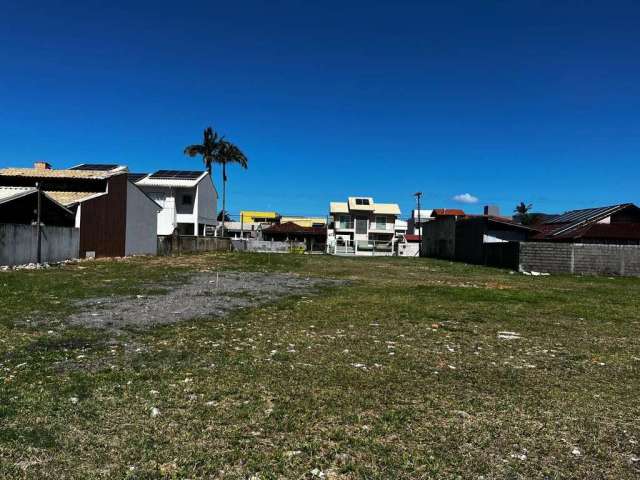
(202, 295)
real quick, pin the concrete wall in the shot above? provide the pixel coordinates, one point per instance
(438, 238)
(580, 259)
(174, 244)
(266, 246)
(408, 249)
(207, 202)
(142, 223)
(19, 244)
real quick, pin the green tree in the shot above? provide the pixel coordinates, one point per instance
(207, 149)
(228, 153)
(215, 149)
(522, 212)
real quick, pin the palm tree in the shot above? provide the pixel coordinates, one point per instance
(228, 153)
(215, 149)
(207, 149)
(522, 212)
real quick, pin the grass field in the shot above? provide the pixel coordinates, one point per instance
(402, 373)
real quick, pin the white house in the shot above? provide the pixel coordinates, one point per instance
(363, 227)
(188, 200)
(417, 220)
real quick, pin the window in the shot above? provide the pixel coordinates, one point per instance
(381, 220)
(362, 201)
(187, 199)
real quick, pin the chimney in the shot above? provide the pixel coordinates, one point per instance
(492, 210)
(41, 165)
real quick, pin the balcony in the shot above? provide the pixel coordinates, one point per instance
(381, 227)
(344, 225)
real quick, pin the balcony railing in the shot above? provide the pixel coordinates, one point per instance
(344, 225)
(385, 227)
(374, 246)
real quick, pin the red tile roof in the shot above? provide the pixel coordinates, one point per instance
(412, 238)
(444, 212)
(605, 231)
(294, 228)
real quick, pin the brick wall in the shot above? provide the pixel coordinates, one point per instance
(580, 259)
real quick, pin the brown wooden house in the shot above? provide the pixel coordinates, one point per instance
(114, 216)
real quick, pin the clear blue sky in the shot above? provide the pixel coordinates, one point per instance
(506, 101)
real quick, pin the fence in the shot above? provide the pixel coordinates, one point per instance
(19, 244)
(580, 258)
(176, 244)
(267, 246)
(361, 247)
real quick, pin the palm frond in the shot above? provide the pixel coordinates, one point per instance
(229, 153)
(193, 150)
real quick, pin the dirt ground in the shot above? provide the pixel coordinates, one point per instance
(202, 295)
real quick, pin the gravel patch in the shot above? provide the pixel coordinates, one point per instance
(202, 295)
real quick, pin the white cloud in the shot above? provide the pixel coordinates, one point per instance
(465, 198)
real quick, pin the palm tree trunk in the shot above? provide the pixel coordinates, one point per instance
(224, 194)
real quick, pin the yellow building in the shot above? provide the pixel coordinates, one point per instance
(252, 216)
(305, 221)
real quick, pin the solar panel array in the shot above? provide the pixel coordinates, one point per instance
(176, 174)
(101, 167)
(578, 216)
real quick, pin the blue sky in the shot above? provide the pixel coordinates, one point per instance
(505, 101)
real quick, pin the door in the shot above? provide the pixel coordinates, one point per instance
(361, 225)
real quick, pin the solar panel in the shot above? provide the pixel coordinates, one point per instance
(575, 216)
(136, 177)
(176, 174)
(102, 167)
(578, 218)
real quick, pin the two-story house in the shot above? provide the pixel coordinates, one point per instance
(361, 226)
(188, 200)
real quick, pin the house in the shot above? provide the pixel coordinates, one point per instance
(251, 224)
(252, 216)
(615, 224)
(400, 228)
(447, 212)
(305, 221)
(19, 205)
(243, 230)
(21, 241)
(361, 226)
(591, 241)
(114, 216)
(313, 238)
(417, 219)
(187, 200)
(470, 238)
(409, 246)
(477, 235)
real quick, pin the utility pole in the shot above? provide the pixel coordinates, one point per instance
(418, 195)
(39, 224)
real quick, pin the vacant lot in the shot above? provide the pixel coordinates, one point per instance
(404, 368)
